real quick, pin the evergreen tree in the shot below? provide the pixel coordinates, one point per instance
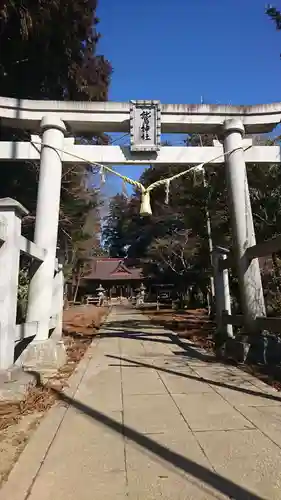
(275, 15)
(49, 51)
(115, 231)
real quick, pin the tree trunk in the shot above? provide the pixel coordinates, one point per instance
(77, 288)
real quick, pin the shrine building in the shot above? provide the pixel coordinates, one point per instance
(119, 277)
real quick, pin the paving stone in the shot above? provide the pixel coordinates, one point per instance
(168, 466)
(129, 347)
(247, 395)
(152, 414)
(185, 383)
(247, 458)
(141, 381)
(221, 374)
(80, 483)
(209, 411)
(152, 481)
(267, 419)
(86, 459)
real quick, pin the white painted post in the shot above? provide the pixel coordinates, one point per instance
(57, 301)
(11, 213)
(222, 291)
(242, 224)
(46, 224)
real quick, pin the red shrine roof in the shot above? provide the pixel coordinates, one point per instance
(106, 268)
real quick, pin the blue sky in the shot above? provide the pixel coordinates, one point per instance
(226, 51)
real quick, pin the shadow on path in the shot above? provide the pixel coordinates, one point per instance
(114, 328)
(136, 336)
(131, 323)
(225, 486)
(136, 364)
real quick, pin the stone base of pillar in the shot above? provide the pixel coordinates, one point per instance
(44, 356)
(236, 350)
(263, 349)
(14, 383)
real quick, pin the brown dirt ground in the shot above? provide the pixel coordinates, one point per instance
(18, 420)
(192, 324)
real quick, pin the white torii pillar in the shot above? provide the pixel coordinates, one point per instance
(250, 284)
(46, 224)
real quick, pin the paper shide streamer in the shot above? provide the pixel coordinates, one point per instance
(102, 175)
(167, 191)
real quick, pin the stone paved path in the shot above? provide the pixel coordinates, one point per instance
(154, 418)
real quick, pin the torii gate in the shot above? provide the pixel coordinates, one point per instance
(55, 121)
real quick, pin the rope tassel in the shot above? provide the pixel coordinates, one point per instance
(145, 208)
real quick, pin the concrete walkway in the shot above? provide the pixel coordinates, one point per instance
(149, 417)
